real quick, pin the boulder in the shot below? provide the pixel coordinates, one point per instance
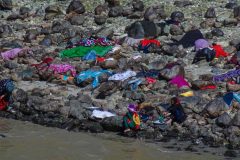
(100, 20)
(114, 124)
(115, 11)
(138, 5)
(236, 119)
(154, 12)
(77, 20)
(76, 6)
(141, 29)
(210, 13)
(224, 120)
(6, 5)
(215, 108)
(236, 12)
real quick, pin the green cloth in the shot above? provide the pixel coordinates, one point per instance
(128, 122)
(82, 51)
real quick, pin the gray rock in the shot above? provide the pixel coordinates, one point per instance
(114, 124)
(24, 11)
(236, 12)
(224, 120)
(177, 16)
(100, 9)
(169, 73)
(21, 96)
(83, 98)
(10, 65)
(176, 30)
(210, 13)
(183, 3)
(231, 5)
(216, 107)
(141, 29)
(115, 11)
(127, 11)
(76, 109)
(46, 41)
(52, 11)
(135, 15)
(5, 30)
(42, 104)
(59, 26)
(236, 119)
(100, 20)
(113, 3)
(217, 32)
(105, 32)
(230, 22)
(154, 13)
(76, 6)
(77, 20)
(6, 4)
(138, 5)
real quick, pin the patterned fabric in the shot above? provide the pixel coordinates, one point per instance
(6, 86)
(62, 68)
(11, 54)
(88, 42)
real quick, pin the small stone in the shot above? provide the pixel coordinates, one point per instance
(138, 5)
(217, 32)
(100, 20)
(230, 22)
(224, 120)
(76, 6)
(6, 5)
(236, 12)
(177, 16)
(113, 3)
(230, 153)
(115, 11)
(184, 3)
(24, 11)
(77, 20)
(210, 13)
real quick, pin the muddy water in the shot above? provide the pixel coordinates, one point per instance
(26, 141)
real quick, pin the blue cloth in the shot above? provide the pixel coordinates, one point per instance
(91, 74)
(134, 84)
(228, 98)
(91, 56)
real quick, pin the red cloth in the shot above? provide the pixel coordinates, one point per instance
(146, 42)
(208, 87)
(151, 80)
(219, 51)
(100, 59)
(3, 104)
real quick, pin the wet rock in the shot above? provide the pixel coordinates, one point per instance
(236, 12)
(176, 30)
(76, 6)
(115, 11)
(230, 153)
(181, 3)
(224, 120)
(210, 13)
(236, 119)
(100, 20)
(113, 3)
(177, 16)
(217, 32)
(6, 4)
(230, 22)
(154, 13)
(141, 29)
(216, 107)
(77, 20)
(114, 124)
(5, 30)
(21, 96)
(138, 5)
(24, 11)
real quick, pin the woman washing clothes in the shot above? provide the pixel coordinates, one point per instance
(6, 89)
(131, 121)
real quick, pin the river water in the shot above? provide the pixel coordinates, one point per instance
(27, 141)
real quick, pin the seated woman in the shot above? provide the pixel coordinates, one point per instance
(205, 53)
(131, 121)
(6, 89)
(177, 113)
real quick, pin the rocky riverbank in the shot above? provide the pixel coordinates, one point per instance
(47, 27)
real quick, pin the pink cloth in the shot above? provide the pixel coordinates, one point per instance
(179, 81)
(11, 54)
(62, 68)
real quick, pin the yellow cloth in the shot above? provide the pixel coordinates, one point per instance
(187, 94)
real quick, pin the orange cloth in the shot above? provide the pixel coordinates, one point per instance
(146, 42)
(219, 51)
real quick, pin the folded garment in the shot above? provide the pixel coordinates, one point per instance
(91, 56)
(200, 44)
(122, 76)
(62, 68)
(87, 42)
(82, 51)
(102, 114)
(187, 94)
(135, 83)
(11, 54)
(228, 98)
(151, 80)
(208, 87)
(219, 51)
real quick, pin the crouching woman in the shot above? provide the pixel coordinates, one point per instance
(131, 121)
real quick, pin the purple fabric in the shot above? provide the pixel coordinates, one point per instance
(11, 54)
(132, 108)
(201, 43)
(179, 81)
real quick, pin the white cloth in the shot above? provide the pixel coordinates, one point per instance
(101, 114)
(132, 42)
(122, 76)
